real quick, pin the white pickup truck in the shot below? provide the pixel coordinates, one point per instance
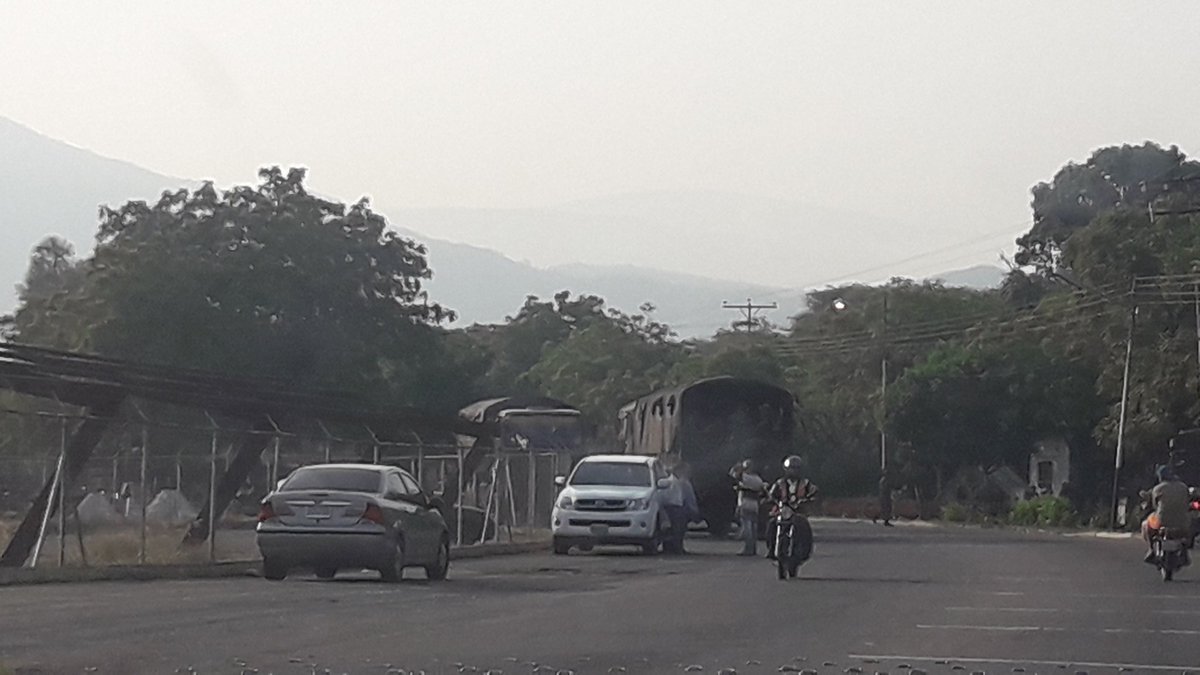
(611, 500)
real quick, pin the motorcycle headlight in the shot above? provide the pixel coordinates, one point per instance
(639, 504)
(566, 503)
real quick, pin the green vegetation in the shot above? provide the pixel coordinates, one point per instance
(1049, 511)
(271, 280)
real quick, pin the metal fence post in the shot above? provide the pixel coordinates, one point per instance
(531, 494)
(328, 441)
(142, 493)
(212, 492)
(62, 495)
(458, 535)
(274, 454)
(375, 443)
(37, 547)
(274, 463)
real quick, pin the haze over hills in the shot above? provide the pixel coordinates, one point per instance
(51, 187)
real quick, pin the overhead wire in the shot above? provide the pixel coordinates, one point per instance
(1039, 321)
(981, 333)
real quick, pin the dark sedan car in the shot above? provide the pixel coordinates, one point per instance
(328, 517)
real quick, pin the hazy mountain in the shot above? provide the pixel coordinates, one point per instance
(978, 276)
(50, 187)
(485, 286)
(649, 229)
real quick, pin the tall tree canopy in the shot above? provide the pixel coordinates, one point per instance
(1117, 178)
(266, 280)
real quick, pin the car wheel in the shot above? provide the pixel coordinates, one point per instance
(394, 572)
(561, 547)
(441, 567)
(274, 570)
(326, 572)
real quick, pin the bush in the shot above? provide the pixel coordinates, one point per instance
(956, 513)
(1044, 511)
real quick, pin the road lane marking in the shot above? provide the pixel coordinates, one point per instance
(928, 626)
(1056, 629)
(1030, 610)
(1103, 596)
(1057, 610)
(1032, 662)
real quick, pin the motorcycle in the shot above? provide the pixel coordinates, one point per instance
(793, 541)
(1170, 553)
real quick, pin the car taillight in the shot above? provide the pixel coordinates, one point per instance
(266, 512)
(373, 514)
(1196, 505)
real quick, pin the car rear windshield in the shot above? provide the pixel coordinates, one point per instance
(344, 479)
(611, 473)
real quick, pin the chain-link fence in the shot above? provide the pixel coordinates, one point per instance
(153, 473)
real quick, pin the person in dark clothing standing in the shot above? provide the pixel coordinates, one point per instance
(885, 499)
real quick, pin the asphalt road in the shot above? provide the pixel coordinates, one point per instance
(938, 600)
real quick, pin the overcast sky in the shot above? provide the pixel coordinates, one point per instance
(935, 116)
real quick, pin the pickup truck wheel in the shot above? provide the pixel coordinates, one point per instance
(561, 547)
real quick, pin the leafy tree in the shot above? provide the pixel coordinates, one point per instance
(54, 274)
(601, 367)
(268, 280)
(835, 359)
(752, 355)
(987, 405)
(540, 326)
(1124, 178)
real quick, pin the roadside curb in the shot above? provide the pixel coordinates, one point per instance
(57, 575)
(944, 524)
(223, 570)
(490, 550)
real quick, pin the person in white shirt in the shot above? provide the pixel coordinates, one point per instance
(679, 499)
(750, 490)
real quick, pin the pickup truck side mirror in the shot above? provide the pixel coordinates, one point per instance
(663, 483)
(560, 481)
(437, 503)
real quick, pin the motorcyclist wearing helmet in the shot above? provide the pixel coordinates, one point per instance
(794, 491)
(1170, 500)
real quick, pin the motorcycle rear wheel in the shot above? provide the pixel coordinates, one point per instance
(783, 556)
(1167, 573)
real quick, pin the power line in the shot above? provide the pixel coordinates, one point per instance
(919, 256)
(1038, 321)
(990, 336)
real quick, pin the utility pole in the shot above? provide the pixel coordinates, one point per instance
(749, 310)
(1119, 459)
(883, 371)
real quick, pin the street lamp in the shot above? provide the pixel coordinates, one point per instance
(840, 305)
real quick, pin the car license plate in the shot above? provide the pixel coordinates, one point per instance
(599, 529)
(318, 514)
